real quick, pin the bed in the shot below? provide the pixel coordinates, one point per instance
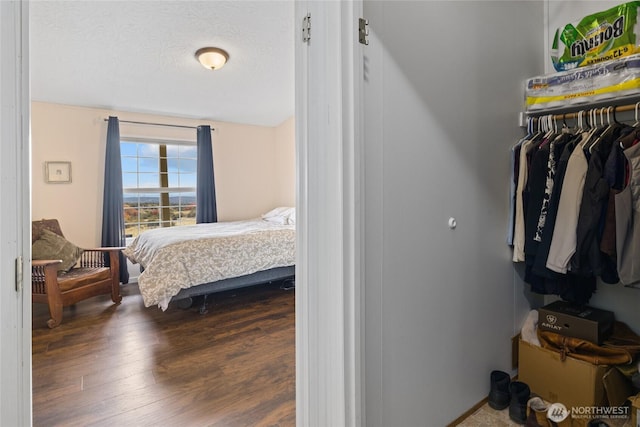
(186, 261)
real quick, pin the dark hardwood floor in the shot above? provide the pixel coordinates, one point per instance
(128, 365)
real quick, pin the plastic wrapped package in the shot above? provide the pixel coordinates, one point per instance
(596, 83)
(599, 37)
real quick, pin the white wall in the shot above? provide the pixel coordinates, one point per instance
(285, 161)
(443, 86)
(251, 164)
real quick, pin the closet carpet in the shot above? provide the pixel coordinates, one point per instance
(486, 416)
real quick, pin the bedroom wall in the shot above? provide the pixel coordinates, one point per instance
(285, 163)
(250, 164)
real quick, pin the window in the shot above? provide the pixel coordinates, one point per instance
(159, 184)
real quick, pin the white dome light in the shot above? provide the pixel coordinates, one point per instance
(212, 58)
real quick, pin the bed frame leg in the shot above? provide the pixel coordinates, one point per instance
(203, 307)
(185, 303)
(288, 284)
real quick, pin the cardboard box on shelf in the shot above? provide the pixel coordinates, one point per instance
(588, 323)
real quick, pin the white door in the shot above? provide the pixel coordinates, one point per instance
(15, 309)
(328, 311)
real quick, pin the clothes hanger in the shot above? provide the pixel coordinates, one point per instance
(565, 127)
(615, 120)
(580, 121)
(602, 125)
(592, 127)
(528, 136)
(548, 125)
(637, 122)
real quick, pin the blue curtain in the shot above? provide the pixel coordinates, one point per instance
(206, 210)
(112, 211)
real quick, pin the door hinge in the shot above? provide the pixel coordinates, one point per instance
(363, 31)
(19, 274)
(306, 28)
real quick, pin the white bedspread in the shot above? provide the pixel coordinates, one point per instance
(181, 257)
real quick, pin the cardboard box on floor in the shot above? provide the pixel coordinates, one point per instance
(635, 410)
(572, 382)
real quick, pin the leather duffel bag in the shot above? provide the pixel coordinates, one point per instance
(620, 348)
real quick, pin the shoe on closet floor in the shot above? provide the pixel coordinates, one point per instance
(537, 413)
(499, 395)
(520, 394)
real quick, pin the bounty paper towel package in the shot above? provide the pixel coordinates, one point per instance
(600, 82)
(596, 38)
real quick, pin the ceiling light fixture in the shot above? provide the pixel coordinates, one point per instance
(212, 58)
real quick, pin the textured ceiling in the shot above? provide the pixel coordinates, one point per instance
(139, 56)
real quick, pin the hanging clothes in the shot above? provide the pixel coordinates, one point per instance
(514, 170)
(561, 215)
(587, 259)
(570, 287)
(614, 173)
(627, 204)
(575, 207)
(555, 149)
(527, 149)
(535, 192)
(566, 145)
(563, 240)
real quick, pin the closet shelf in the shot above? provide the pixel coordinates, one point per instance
(622, 104)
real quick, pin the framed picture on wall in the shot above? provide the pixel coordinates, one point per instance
(57, 172)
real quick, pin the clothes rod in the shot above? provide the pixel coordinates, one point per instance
(157, 124)
(574, 115)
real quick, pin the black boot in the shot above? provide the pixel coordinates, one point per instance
(499, 395)
(519, 397)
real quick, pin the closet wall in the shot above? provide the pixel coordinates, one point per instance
(443, 87)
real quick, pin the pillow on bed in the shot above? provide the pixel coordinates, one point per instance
(281, 211)
(279, 215)
(52, 246)
(282, 220)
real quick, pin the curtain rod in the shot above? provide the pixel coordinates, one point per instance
(157, 124)
(574, 115)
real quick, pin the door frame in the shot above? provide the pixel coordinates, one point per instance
(15, 227)
(329, 267)
(329, 295)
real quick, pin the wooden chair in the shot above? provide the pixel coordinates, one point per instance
(93, 277)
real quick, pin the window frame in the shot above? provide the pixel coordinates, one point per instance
(160, 190)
